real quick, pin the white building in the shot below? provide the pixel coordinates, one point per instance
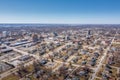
(4, 33)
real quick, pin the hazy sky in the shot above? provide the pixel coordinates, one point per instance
(60, 11)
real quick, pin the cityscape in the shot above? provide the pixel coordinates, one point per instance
(59, 39)
(59, 52)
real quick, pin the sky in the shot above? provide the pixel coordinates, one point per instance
(60, 11)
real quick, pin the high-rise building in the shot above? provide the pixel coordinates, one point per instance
(35, 37)
(88, 35)
(55, 34)
(89, 32)
(4, 33)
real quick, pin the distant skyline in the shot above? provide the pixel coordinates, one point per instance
(60, 11)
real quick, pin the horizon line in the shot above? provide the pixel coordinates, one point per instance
(70, 23)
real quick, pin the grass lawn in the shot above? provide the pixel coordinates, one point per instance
(11, 77)
(97, 79)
